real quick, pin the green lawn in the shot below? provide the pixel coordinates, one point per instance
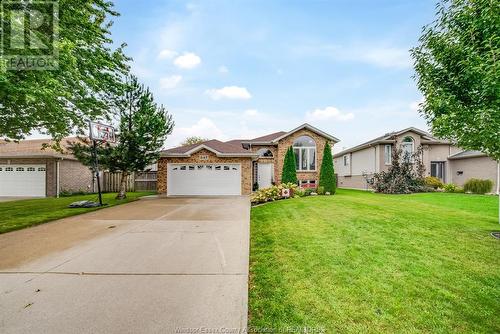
(360, 262)
(16, 215)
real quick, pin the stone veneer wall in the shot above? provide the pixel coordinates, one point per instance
(286, 142)
(246, 168)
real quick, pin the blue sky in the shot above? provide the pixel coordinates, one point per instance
(240, 69)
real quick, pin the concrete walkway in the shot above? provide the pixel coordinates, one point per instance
(157, 265)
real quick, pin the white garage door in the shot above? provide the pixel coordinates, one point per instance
(203, 179)
(22, 180)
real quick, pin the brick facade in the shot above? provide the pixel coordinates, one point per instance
(246, 168)
(286, 142)
(75, 176)
(264, 160)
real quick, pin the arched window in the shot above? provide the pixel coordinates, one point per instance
(407, 146)
(264, 152)
(304, 148)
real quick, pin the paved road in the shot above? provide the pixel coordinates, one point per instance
(157, 265)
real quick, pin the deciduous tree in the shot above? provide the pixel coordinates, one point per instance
(89, 75)
(457, 66)
(143, 129)
(193, 140)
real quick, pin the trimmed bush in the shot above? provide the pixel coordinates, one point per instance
(327, 173)
(478, 186)
(289, 174)
(452, 188)
(320, 190)
(433, 182)
(272, 193)
(308, 191)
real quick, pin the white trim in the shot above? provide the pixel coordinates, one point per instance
(208, 148)
(308, 127)
(390, 154)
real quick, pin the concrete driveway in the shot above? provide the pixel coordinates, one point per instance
(157, 265)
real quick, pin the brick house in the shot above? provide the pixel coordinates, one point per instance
(236, 166)
(28, 170)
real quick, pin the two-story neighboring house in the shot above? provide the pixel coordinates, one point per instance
(440, 158)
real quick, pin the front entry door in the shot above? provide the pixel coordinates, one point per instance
(265, 175)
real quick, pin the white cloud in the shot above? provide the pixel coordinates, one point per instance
(380, 55)
(204, 127)
(167, 54)
(251, 113)
(229, 92)
(328, 113)
(170, 82)
(223, 69)
(188, 60)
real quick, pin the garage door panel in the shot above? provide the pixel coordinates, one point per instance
(203, 179)
(22, 180)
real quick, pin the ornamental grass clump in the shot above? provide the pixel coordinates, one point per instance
(478, 186)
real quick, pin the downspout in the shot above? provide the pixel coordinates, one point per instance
(57, 178)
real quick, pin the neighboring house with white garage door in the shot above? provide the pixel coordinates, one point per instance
(237, 166)
(26, 169)
(441, 159)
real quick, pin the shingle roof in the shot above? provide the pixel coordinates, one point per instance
(466, 154)
(214, 144)
(269, 137)
(235, 146)
(34, 148)
(388, 138)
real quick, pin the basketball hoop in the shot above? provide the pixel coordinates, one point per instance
(101, 132)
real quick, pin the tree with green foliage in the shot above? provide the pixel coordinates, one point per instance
(289, 174)
(457, 70)
(327, 173)
(193, 140)
(89, 75)
(143, 129)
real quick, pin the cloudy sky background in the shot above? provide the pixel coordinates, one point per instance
(241, 69)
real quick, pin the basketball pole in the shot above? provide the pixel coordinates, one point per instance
(96, 161)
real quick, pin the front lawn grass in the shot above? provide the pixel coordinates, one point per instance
(15, 215)
(359, 262)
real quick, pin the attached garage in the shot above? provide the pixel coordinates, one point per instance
(211, 168)
(22, 180)
(203, 179)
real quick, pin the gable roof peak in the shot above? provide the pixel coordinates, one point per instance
(311, 128)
